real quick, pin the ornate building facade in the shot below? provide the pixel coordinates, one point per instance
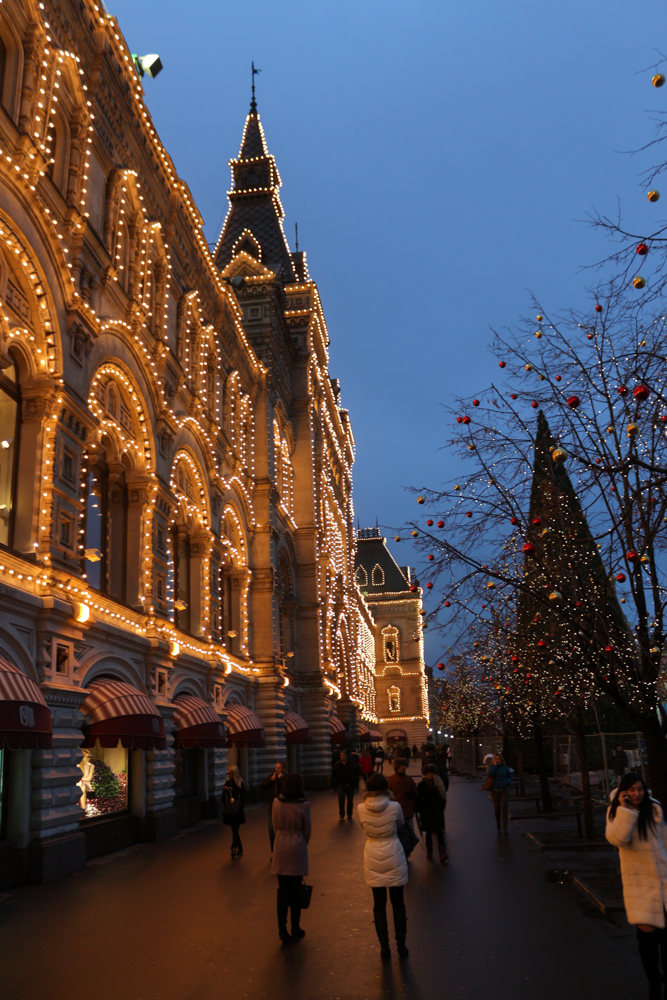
(394, 599)
(176, 527)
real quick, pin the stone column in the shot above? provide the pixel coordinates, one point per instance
(316, 708)
(270, 707)
(161, 817)
(57, 845)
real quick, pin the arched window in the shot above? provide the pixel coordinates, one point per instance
(378, 576)
(106, 529)
(394, 697)
(59, 150)
(391, 643)
(10, 416)
(180, 550)
(3, 70)
(362, 576)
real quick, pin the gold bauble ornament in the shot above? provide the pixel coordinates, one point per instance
(658, 80)
(559, 455)
(653, 196)
(421, 499)
(539, 317)
(633, 430)
(397, 538)
(529, 367)
(538, 334)
(414, 534)
(638, 281)
(555, 596)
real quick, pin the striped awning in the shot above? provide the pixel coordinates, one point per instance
(337, 730)
(374, 736)
(243, 727)
(397, 734)
(364, 732)
(199, 725)
(296, 729)
(116, 711)
(25, 719)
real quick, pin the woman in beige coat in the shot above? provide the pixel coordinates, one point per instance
(290, 816)
(385, 864)
(635, 825)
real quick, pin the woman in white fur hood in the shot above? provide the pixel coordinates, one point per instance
(385, 864)
(635, 824)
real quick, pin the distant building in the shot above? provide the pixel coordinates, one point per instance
(394, 598)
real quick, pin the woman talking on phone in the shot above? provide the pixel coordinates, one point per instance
(635, 824)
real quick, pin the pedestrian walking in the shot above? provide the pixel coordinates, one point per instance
(366, 765)
(404, 790)
(501, 776)
(291, 822)
(344, 780)
(415, 751)
(405, 753)
(619, 762)
(385, 864)
(233, 796)
(636, 825)
(379, 760)
(271, 786)
(430, 807)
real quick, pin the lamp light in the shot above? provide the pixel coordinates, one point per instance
(81, 612)
(151, 65)
(174, 648)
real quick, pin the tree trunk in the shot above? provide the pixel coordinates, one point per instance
(519, 767)
(542, 767)
(589, 828)
(656, 753)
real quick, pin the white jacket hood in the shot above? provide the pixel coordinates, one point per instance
(377, 803)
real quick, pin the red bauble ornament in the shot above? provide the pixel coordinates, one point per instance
(534, 404)
(529, 548)
(558, 378)
(663, 420)
(632, 556)
(536, 521)
(458, 420)
(465, 420)
(598, 308)
(429, 586)
(414, 588)
(515, 659)
(609, 649)
(641, 392)
(441, 524)
(475, 402)
(513, 395)
(642, 249)
(429, 522)
(502, 364)
(431, 557)
(622, 390)
(541, 643)
(573, 402)
(589, 336)
(621, 577)
(448, 604)
(469, 513)
(514, 520)
(441, 666)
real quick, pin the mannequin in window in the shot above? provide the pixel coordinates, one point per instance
(391, 650)
(86, 783)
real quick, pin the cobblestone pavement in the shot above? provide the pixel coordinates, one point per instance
(180, 921)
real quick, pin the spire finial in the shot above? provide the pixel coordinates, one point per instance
(253, 103)
(296, 235)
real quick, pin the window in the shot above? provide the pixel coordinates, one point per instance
(61, 659)
(9, 434)
(3, 70)
(106, 532)
(66, 533)
(391, 642)
(378, 576)
(362, 577)
(68, 466)
(180, 547)
(394, 696)
(104, 781)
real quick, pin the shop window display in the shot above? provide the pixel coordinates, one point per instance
(9, 411)
(103, 782)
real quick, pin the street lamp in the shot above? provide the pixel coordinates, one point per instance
(151, 65)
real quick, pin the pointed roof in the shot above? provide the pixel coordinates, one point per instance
(254, 221)
(380, 573)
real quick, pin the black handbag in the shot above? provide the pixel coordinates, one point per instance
(407, 838)
(306, 894)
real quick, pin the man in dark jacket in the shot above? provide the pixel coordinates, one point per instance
(344, 779)
(619, 761)
(271, 786)
(404, 790)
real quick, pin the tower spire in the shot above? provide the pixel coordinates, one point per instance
(253, 102)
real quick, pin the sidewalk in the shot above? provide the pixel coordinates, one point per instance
(180, 921)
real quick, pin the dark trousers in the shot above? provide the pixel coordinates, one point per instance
(289, 898)
(345, 793)
(236, 840)
(380, 913)
(429, 843)
(500, 805)
(272, 834)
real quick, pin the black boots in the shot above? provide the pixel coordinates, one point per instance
(401, 928)
(283, 902)
(382, 930)
(649, 951)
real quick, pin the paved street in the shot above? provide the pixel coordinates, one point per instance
(180, 921)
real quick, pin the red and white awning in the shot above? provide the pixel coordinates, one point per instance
(116, 711)
(337, 730)
(25, 719)
(199, 725)
(397, 734)
(296, 729)
(243, 727)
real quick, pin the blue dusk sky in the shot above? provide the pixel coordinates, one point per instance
(438, 158)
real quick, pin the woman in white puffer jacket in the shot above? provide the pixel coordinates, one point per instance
(385, 864)
(635, 825)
